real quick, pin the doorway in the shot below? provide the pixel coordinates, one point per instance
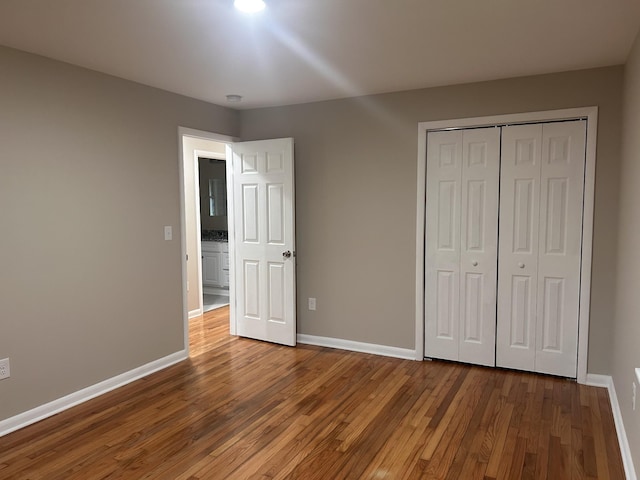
(261, 234)
(214, 230)
(201, 277)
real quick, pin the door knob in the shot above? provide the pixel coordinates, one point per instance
(521, 265)
(286, 254)
(474, 263)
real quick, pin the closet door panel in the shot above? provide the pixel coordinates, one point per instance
(518, 250)
(479, 245)
(561, 199)
(442, 273)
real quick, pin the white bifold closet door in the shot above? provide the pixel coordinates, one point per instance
(541, 204)
(461, 244)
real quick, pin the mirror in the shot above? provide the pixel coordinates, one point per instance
(217, 197)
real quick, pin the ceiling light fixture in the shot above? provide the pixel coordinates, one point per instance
(233, 98)
(249, 6)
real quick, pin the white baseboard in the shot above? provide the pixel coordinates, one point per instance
(195, 313)
(357, 346)
(606, 381)
(595, 380)
(56, 406)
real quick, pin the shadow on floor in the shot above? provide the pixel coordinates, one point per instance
(211, 302)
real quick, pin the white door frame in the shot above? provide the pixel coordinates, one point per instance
(588, 113)
(189, 132)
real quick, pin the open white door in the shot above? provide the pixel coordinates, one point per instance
(264, 244)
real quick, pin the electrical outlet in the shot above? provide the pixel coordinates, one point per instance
(633, 395)
(5, 372)
(312, 303)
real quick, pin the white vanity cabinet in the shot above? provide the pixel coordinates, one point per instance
(225, 265)
(215, 264)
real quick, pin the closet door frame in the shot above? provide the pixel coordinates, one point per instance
(590, 114)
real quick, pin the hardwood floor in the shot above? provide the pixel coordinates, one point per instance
(243, 409)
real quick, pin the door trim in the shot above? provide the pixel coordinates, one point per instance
(190, 132)
(588, 113)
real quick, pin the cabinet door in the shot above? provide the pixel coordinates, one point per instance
(211, 269)
(461, 223)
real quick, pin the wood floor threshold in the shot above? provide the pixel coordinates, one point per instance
(243, 409)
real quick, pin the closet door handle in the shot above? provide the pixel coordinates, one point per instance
(521, 265)
(474, 263)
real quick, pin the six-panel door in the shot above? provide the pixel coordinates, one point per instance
(264, 230)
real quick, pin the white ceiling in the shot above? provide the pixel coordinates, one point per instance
(306, 50)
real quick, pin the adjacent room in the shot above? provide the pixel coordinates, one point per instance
(317, 239)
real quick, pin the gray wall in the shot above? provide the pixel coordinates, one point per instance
(356, 197)
(625, 351)
(89, 175)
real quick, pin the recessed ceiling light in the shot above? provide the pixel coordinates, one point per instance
(249, 6)
(234, 98)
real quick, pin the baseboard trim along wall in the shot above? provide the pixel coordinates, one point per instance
(56, 406)
(361, 347)
(195, 313)
(606, 381)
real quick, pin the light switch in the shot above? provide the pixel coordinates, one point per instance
(168, 232)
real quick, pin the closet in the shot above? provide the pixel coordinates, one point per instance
(503, 243)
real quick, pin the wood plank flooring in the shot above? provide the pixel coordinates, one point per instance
(243, 409)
